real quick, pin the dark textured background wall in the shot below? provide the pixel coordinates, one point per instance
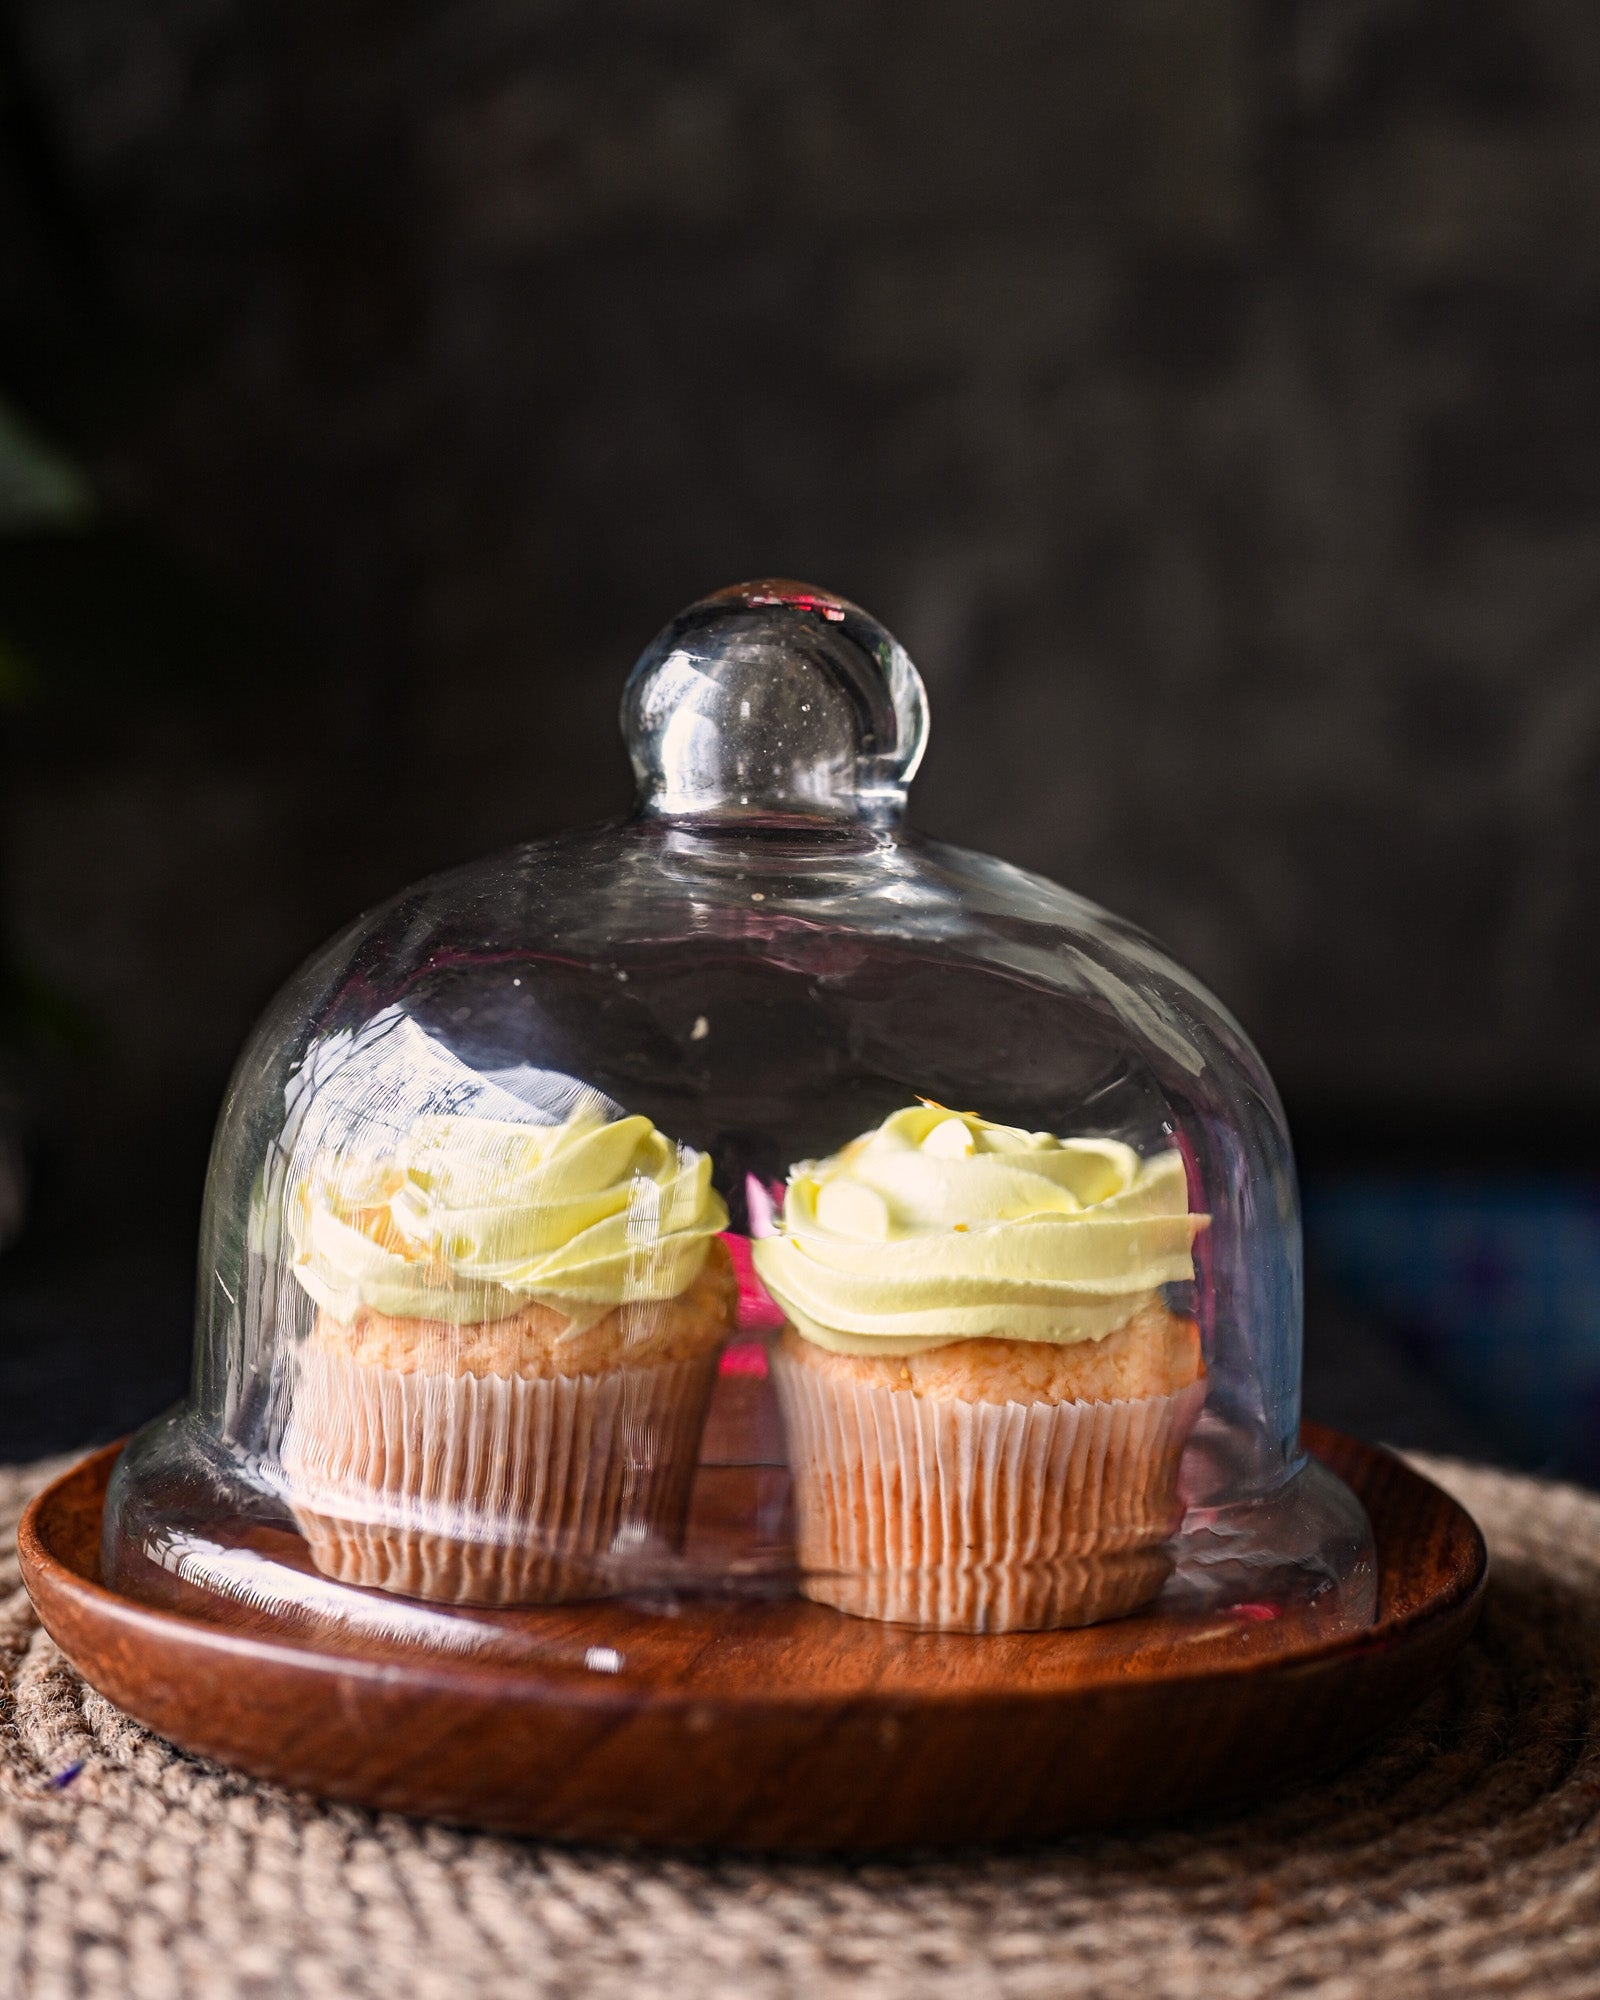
(1205, 390)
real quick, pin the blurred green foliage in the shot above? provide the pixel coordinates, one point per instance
(43, 498)
(99, 620)
(38, 487)
(101, 626)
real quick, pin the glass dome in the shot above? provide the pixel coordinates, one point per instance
(750, 1198)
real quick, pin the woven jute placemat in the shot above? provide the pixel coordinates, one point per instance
(1461, 1857)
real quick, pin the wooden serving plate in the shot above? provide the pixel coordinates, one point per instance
(775, 1723)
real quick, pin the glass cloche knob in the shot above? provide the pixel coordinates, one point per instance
(774, 699)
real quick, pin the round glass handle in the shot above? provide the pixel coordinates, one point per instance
(774, 699)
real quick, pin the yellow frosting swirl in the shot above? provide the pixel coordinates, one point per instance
(469, 1217)
(941, 1226)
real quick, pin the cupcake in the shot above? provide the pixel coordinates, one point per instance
(501, 1396)
(985, 1391)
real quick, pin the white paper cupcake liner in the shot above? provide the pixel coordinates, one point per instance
(980, 1517)
(487, 1490)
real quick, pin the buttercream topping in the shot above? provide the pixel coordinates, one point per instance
(943, 1226)
(467, 1217)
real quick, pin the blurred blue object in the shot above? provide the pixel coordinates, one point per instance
(1493, 1283)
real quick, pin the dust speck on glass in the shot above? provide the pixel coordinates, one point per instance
(752, 1197)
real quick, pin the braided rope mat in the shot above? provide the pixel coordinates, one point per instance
(1462, 1857)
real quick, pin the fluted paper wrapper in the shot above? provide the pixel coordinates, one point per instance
(981, 1517)
(483, 1489)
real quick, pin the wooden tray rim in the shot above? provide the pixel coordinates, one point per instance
(530, 1682)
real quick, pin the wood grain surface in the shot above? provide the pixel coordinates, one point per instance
(768, 1722)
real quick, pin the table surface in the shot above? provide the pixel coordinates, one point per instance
(1460, 1857)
